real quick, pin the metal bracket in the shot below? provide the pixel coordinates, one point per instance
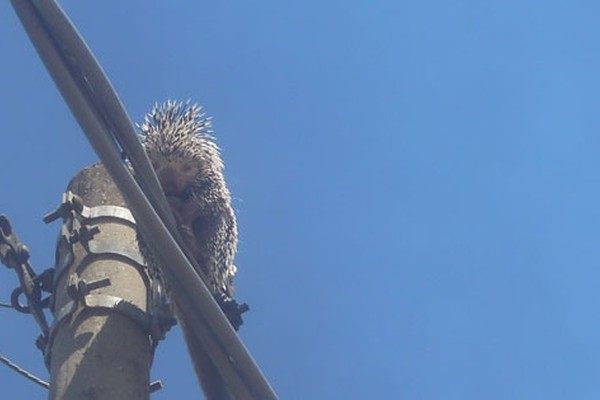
(83, 235)
(78, 228)
(71, 202)
(156, 324)
(81, 226)
(78, 289)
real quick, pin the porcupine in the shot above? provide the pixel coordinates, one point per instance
(178, 140)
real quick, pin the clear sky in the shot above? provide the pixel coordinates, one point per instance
(417, 185)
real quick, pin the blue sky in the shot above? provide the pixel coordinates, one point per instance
(417, 185)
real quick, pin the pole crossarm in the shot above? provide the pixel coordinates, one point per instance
(101, 115)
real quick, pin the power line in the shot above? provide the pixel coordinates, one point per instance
(24, 372)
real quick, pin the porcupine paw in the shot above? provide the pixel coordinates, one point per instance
(188, 237)
(232, 309)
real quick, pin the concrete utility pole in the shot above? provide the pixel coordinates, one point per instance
(99, 346)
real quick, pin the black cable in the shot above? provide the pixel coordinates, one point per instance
(24, 373)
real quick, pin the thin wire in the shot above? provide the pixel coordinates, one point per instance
(25, 373)
(6, 305)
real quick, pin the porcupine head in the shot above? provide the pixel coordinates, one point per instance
(178, 140)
